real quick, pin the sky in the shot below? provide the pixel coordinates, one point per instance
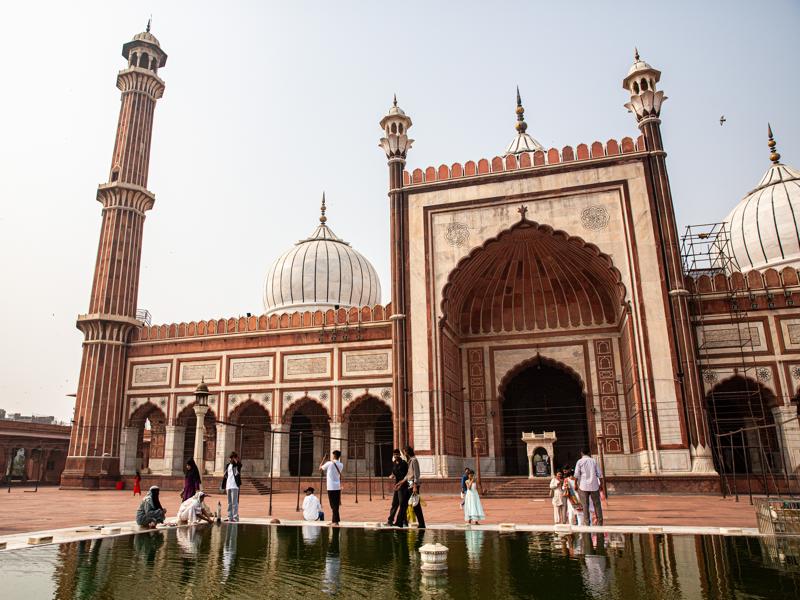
(267, 104)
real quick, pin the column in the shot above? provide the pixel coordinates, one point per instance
(339, 430)
(369, 452)
(266, 466)
(226, 442)
(788, 436)
(280, 467)
(173, 449)
(199, 435)
(128, 447)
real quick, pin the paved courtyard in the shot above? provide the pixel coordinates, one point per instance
(50, 508)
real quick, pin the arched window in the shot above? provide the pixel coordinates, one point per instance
(143, 61)
(644, 85)
(635, 87)
(134, 59)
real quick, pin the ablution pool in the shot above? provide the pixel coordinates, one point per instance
(261, 561)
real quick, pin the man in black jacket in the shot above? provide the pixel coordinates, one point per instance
(399, 470)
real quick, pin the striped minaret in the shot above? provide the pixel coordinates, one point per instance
(99, 409)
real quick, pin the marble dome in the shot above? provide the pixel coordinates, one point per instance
(764, 228)
(320, 272)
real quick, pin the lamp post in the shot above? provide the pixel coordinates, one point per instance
(200, 410)
(476, 443)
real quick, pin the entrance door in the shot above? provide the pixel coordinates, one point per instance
(301, 453)
(543, 397)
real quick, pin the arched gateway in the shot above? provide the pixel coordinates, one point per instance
(533, 292)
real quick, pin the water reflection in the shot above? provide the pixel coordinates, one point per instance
(249, 561)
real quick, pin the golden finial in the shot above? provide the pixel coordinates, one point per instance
(322, 217)
(773, 156)
(521, 124)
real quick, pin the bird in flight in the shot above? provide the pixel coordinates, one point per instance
(722, 120)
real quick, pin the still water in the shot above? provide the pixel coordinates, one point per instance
(254, 561)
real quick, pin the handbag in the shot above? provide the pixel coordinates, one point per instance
(321, 516)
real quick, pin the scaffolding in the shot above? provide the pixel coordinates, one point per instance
(745, 438)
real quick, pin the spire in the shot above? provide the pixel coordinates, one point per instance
(635, 54)
(148, 23)
(773, 156)
(394, 102)
(521, 124)
(322, 217)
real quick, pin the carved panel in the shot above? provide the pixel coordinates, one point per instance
(303, 366)
(195, 372)
(477, 396)
(150, 375)
(363, 362)
(257, 368)
(453, 400)
(609, 406)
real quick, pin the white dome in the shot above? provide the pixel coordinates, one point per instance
(320, 273)
(764, 228)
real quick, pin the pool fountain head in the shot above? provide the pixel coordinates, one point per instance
(434, 557)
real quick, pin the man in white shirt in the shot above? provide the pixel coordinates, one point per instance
(312, 507)
(589, 480)
(231, 482)
(333, 478)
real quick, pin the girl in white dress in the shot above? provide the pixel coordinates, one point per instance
(473, 509)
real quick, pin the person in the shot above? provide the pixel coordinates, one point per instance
(231, 482)
(137, 484)
(464, 478)
(194, 509)
(574, 506)
(191, 480)
(312, 507)
(558, 500)
(473, 509)
(150, 512)
(411, 486)
(333, 479)
(399, 470)
(589, 481)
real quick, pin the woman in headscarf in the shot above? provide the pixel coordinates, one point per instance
(150, 512)
(193, 510)
(191, 482)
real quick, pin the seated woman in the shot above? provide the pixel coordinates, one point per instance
(193, 510)
(150, 512)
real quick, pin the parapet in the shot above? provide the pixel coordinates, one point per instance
(343, 317)
(526, 160)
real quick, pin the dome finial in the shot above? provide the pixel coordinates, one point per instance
(521, 124)
(773, 156)
(322, 217)
(394, 101)
(635, 54)
(148, 23)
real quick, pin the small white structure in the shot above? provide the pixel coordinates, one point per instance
(534, 441)
(434, 557)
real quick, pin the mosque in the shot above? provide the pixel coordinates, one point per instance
(543, 293)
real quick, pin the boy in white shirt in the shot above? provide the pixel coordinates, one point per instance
(312, 507)
(333, 472)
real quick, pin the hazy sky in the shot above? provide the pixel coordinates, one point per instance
(269, 103)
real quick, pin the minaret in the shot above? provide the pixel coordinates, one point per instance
(396, 144)
(645, 103)
(99, 412)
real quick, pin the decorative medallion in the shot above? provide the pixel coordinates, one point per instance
(457, 234)
(795, 372)
(323, 396)
(764, 373)
(288, 397)
(234, 400)
(347, 395)
(386, 394)
(182, 401)
(594, 217)
(710, 376)
(163, 402)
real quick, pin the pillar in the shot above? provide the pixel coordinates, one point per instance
(280, 466)
(338, 433)
(226, 442)
(788, 436)
(128, 447)
(199, 437)
(174, 438)
(266, 466)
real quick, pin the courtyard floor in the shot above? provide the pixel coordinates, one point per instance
(23, 510)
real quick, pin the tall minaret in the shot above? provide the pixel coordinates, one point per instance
(645, 104)
(396, 144)
(99, 412)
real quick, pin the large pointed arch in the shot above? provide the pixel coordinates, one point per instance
(532, 277)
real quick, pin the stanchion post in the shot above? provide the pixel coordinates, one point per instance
(355, 460)
(383, 475)
(271, 466)
(747, 468)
